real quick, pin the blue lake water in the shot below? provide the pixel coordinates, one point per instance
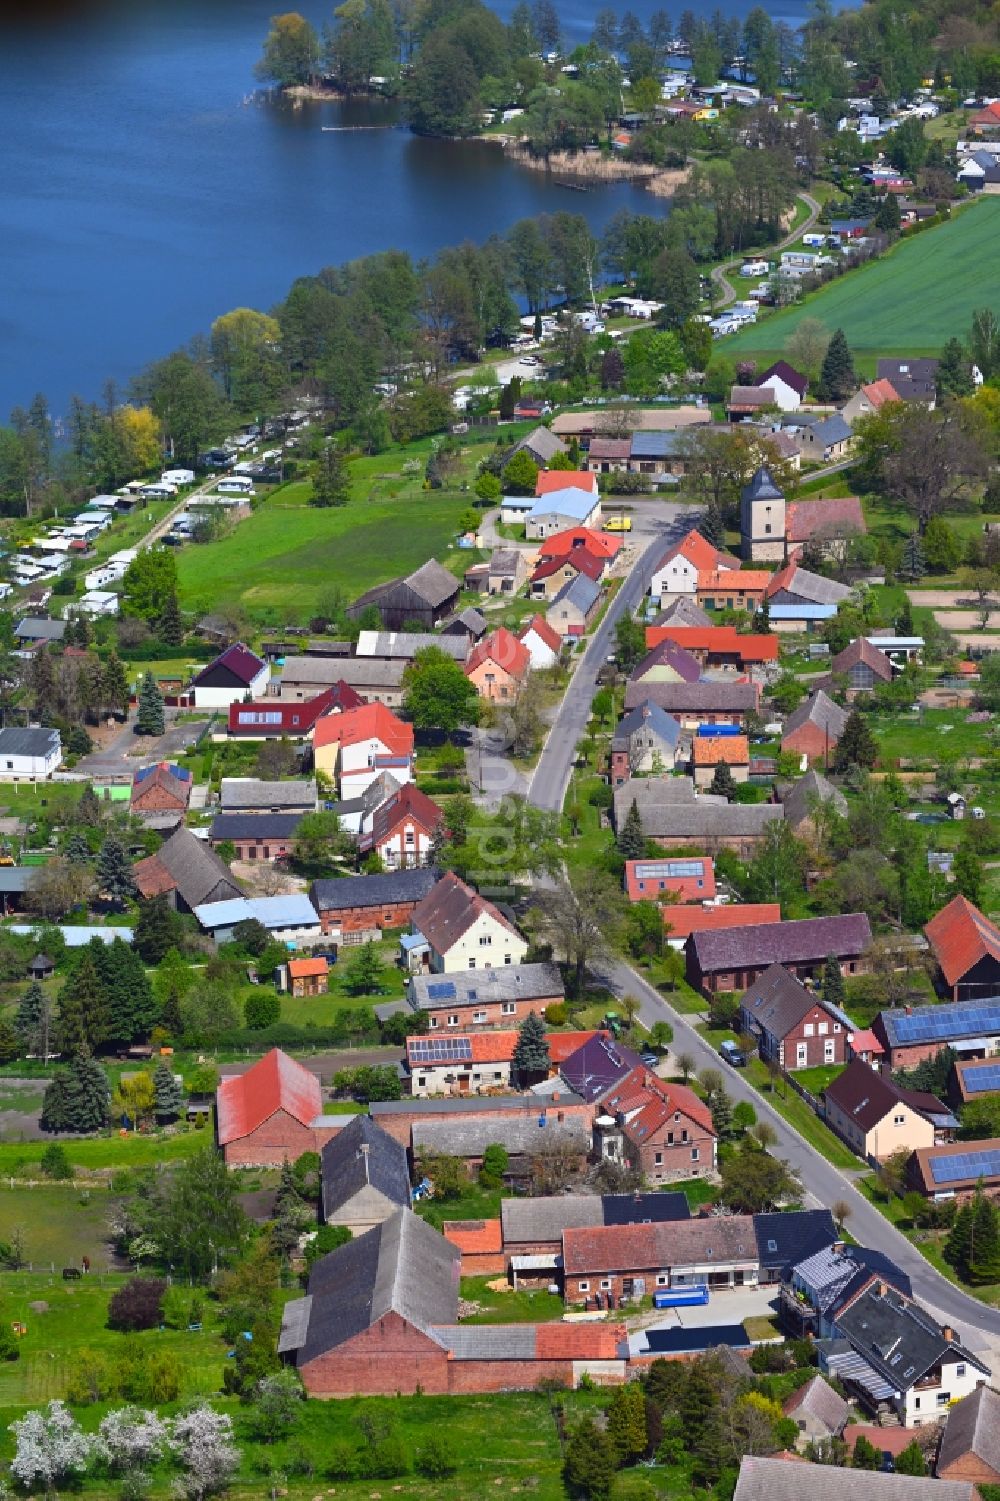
(146, 189)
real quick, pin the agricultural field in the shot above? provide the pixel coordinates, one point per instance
(280, 563)
(945, 273)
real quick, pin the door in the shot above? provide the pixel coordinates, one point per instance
(801, 1054)
(829, 1050)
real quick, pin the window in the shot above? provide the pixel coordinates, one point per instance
(485, 939)
(479, 1016)
(583, 1287)
(506, 959)
(409, 838)
(899, 1120)
(605, 1284)
(432, 1022)
(808, 1030)
(823, 1028)
(472, 962)
(662, 1279)
(498, 1076)
(421, 1079)
(508, 1008)
(767, 526)
(836, 1026)
(694, 1154)
(658, 1158)
(453, 1019)
(943, 1398)
(960, 1369)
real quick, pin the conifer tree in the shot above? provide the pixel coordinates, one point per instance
(837, 379)
(632, 840)
(114, 871)
(132, 1007)
(82, 1019)
(88, 809)
(967, 873)
(954, 372)
(34, 1027)
(171, 627)
(331, 478)
(833, 982)
(77, 850)
(911, 1460)
(589, 1462)
(157, 930)
(865, 1456)
(114, 687)
(887, 218)
(984, 1252)
(913, 564)
(856, 746)
(626, 1427)
(149, 716)
(711, 525)
(722, 784)
(531, 1052)
(78, 1098)
(763, 622)
(168, 1095)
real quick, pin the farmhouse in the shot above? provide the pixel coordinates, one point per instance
(542, 642)
(358, 908)
(256, 836)
(403, 829)
(734, 960)
(423, 597)
(681, 921)
(266, 1116)
(727, 589)
(877, 1117)
(360, 744)
(870, 398)
(677, 571)
(464, 931)
(689, 880)
(645, 738)
(574, 607)
(237, 673)
(187, 872)
(533, 1227)
(956, 1170)
(250, 795)
(634, 1261)
(160, 793)
(459, 1064)
(827, 439)
(498, 997)
(664, 1131)
(791, 1024)
(557, 509)
(814, 728)
(553, 574)
(697, 703)
(911, 379)
(667, 663)
(863, 666)
(966, 945)
(786, 386)
(498, 666)
(365, 1176)
(377, 679)
(289, 919)
(710, 751)
(718, 646)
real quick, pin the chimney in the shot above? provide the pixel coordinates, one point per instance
(882, 1289)
(948, 1332)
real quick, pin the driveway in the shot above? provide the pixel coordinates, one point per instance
(126, 750)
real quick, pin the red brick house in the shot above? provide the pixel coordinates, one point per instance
(716, 645)
(814, 728)
(690, 880)
(733, 960)
(266, 1116)
(791, 1024)
(163, 788)
(276, 719)
(667, 1131)
(633, 1261)
(256, 836)
(307, 977)
(358, 908)
(403, 829)
(681, 921)
(967, 948)
(481, 1245)
(404, 1119)
(500, 996)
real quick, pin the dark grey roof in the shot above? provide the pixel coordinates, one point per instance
(832, 429)
(683, 611)
(37, 628)
(658, 445)
(707, 820)
(504, 982)
(648, 716)
(705, 697)
(581, 591)
(819, 709)
(912, 380)
(835, 1273)
(403, 1266)
(505, 560)
(598, 1065)
(819, 1400)
(972, 1428)
(361, 673)
(373, 891)
(780, 1480)
(867, 1096)
(36, 742)
(777, 1001)
(526, 1221)
(899, 1339)
(488, 1341)
(650, 1208)
(522, 1135)
(255, 825)
(533, 1104)
(243, 794)
(814, 588)
(433, 583)
(360, 1155)
(194, 868)
(762, 487)
(797, 799)
(783, 1240)
(542, 443)
(810, 938)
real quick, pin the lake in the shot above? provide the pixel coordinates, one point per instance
(148, 189)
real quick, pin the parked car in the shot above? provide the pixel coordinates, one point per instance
(730, 1053)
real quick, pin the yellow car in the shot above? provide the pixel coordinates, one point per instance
(618, 524)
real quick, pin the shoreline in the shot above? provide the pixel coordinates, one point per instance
(592, 166)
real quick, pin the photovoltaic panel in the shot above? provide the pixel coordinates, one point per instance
(652, 869)
(441, 1050)
(444, 990)
(981, 1079)
(944, 1022)
(983, 1164)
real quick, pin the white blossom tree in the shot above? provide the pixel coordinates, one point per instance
(202, 1441)
(50, 1447)
(133, 1437)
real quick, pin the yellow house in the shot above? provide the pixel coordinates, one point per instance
(498, 666)
(464, 931)
(877, 1118)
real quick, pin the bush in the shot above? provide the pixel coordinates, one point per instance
(55, 1163)
(436, 1459)
(9, 1347)
(262, 1009)
(137, 1305)
(327, 1238)
(556, 1015)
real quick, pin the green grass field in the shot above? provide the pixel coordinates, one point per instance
(279, 562)
(909, 302)
(59, 1224)
(127, 1149)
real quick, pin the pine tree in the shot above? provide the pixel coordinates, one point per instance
(114, 686)
(170, 1015)
(83, 1015)
(833, 983)
(722, 784)
(77, 850)
(626, 1427)
(133, 1009)
(171, 627)
(866, 1456)
(913, 563)
(954, 372)
(959, 1246)
(887, 219)
(34, 1024)
(984, 1257)
(157, 930)
(287, 1197)
(88, 809)
(721, 1107)
(78, 1099)
(837, 379)
(331, 478)
(632, 840)
(114, 872)
(149, 716)
(589, 1463)
(711, 525)
(169, 1097)
(856, 746)
(531, 1051)
(763, 622)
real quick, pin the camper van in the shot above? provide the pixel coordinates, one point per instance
(754, 268)
(235, 484)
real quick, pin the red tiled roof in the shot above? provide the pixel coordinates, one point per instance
(655, 1100)
(892, 1440)
(277, 1082)
(724, 639)
(484, 1047)
(474, 1236)
(504, 650)
(302, 969)
(961, 936)
(718, 750)
(152, 878)
(602, 543)
(809, 518)
(988, 116)
(578, 1341)
(577, 557)
(699, 552)
(880, 393)
(865, 1041)
(370, 722)
(685, 920)
(541, 628)
(409, 803)
(663, 875)
(626, 1248)
(740, 579)
(565, 479)
(563, 1045)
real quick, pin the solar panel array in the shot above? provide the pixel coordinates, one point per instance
(982, 1078)
(444, 990)
(441, 1050)
(926, 1026)
(650, 869)
(982, 1164)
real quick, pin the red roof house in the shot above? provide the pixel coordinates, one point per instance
(668, 1130)
(552, 573)
(265, 1116)
(967, 947)
(602, 544)
(272, 719)
(499, 665)
(682, 920)
(360, 744)
(827, 520)
(716, 645)
(543, 643)
(403, 829)
(235, 673)
(691, 879)
(565, 479)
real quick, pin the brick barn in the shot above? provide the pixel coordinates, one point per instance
(265, 1116)
(966, 945)
(359, 908)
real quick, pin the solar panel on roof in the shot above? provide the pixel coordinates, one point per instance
(983, 1164)
(441, 1050)
(948, 1022)
(442, 991)
(980, 1080)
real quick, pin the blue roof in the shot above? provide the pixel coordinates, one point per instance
(413, 941)
(272, 911)
(180, 772)
(568, 502)
(981, 1078)
(803, 612)
(943, 1024)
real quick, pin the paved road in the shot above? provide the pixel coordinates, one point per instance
(551, 774)
(727, 292)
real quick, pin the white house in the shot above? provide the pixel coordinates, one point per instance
(544, 644)
(560, 510)
(678, 569)
(464, 931)
(358, 745)
(97, 602)
(27, 755)
(236, 674)
(787, 386)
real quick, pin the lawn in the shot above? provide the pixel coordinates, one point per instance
(908, 303)
(526, 1306)
(930, 735)
(121, 1150)
(800, 1116)
(279, 563)
(58, 1224)
(820, 1078)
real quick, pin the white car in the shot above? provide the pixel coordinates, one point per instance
(528, 359)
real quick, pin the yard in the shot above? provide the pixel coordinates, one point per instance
(121, 1149)
(59, 1224)
(942, 272)
(280, 563)
(931, 735)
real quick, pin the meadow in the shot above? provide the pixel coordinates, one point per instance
(908, 303)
